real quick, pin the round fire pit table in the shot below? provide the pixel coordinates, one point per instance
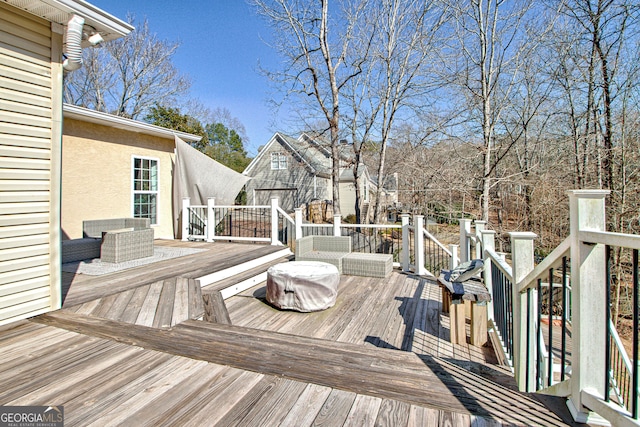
(302, 285)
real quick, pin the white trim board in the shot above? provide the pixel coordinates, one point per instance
(238, 269)
(243, 286)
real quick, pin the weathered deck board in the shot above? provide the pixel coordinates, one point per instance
(221, 402)
(336, 409)
(363, 411)
(150, 305)
(323, 368)
(131, 312)
(356, 368)
(306, 408)
(80, 288)
(165, 303)
(180, 311)
(401, 312)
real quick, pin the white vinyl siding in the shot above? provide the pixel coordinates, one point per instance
(26, 155)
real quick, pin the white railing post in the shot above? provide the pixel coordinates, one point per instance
(406, 255)
(588, 267)
(418, 241)
(455, 259)
(185, 218)
(298, 219)
(465, 247)
(522, 264)
(274, 222)
(488, 242)
(479, 226)
(211, 219)
(337, 220)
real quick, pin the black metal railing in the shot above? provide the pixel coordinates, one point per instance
(503, 307)
(286, 231)
(317, 230)
(435, 257)
(197, 221)
(553, 310)
(621, 376)
(242, 222)
(374, 240)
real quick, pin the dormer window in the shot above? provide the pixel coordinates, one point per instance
(278, 161)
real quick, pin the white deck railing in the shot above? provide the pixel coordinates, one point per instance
(419, 252)
(596, 377)
(585, 377)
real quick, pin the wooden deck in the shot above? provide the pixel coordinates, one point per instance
(117, 354)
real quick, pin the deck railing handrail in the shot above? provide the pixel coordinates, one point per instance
(501, 264)
(630, 241)
(436, 241)
(598, 363)
(349, 225)
(551, 261)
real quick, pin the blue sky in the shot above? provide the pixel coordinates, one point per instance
(222, 43)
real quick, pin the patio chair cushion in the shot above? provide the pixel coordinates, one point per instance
(95, 227)
(80, 249)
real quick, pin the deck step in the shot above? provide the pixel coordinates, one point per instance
(236, 279)
(377, 372)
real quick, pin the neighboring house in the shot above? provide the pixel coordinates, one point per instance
(31, 54)
(114, 167)
(297, 171)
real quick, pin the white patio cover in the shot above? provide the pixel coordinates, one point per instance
(303, 285)
(198, 176)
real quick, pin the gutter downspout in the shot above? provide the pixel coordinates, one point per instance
(72, 48)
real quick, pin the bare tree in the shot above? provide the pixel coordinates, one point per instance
(141, 75)
(402, 35)
(315, 43)
(493, 44)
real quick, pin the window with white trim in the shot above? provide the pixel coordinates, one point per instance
(145, 188)
(278, 161)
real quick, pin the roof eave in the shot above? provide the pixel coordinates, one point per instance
(60, 11)
(98, 117)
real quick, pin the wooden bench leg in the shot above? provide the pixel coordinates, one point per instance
(457, 320)
(446, 300)
(478, 324)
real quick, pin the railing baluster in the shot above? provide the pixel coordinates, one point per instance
(528, 352)
(550, 364)
(540, 362)
(509, 292)
(634, 386)
(563, 354)
(607, 354)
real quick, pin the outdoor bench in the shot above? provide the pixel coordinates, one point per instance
(111, 240)
(366, 264)
(330, 249)
(454, 296)
(336, 250)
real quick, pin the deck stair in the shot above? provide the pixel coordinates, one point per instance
(382, 373)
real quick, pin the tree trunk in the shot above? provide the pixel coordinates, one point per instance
(335, 156)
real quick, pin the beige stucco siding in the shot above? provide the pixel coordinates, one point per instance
(30, 100)
(97, 166)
